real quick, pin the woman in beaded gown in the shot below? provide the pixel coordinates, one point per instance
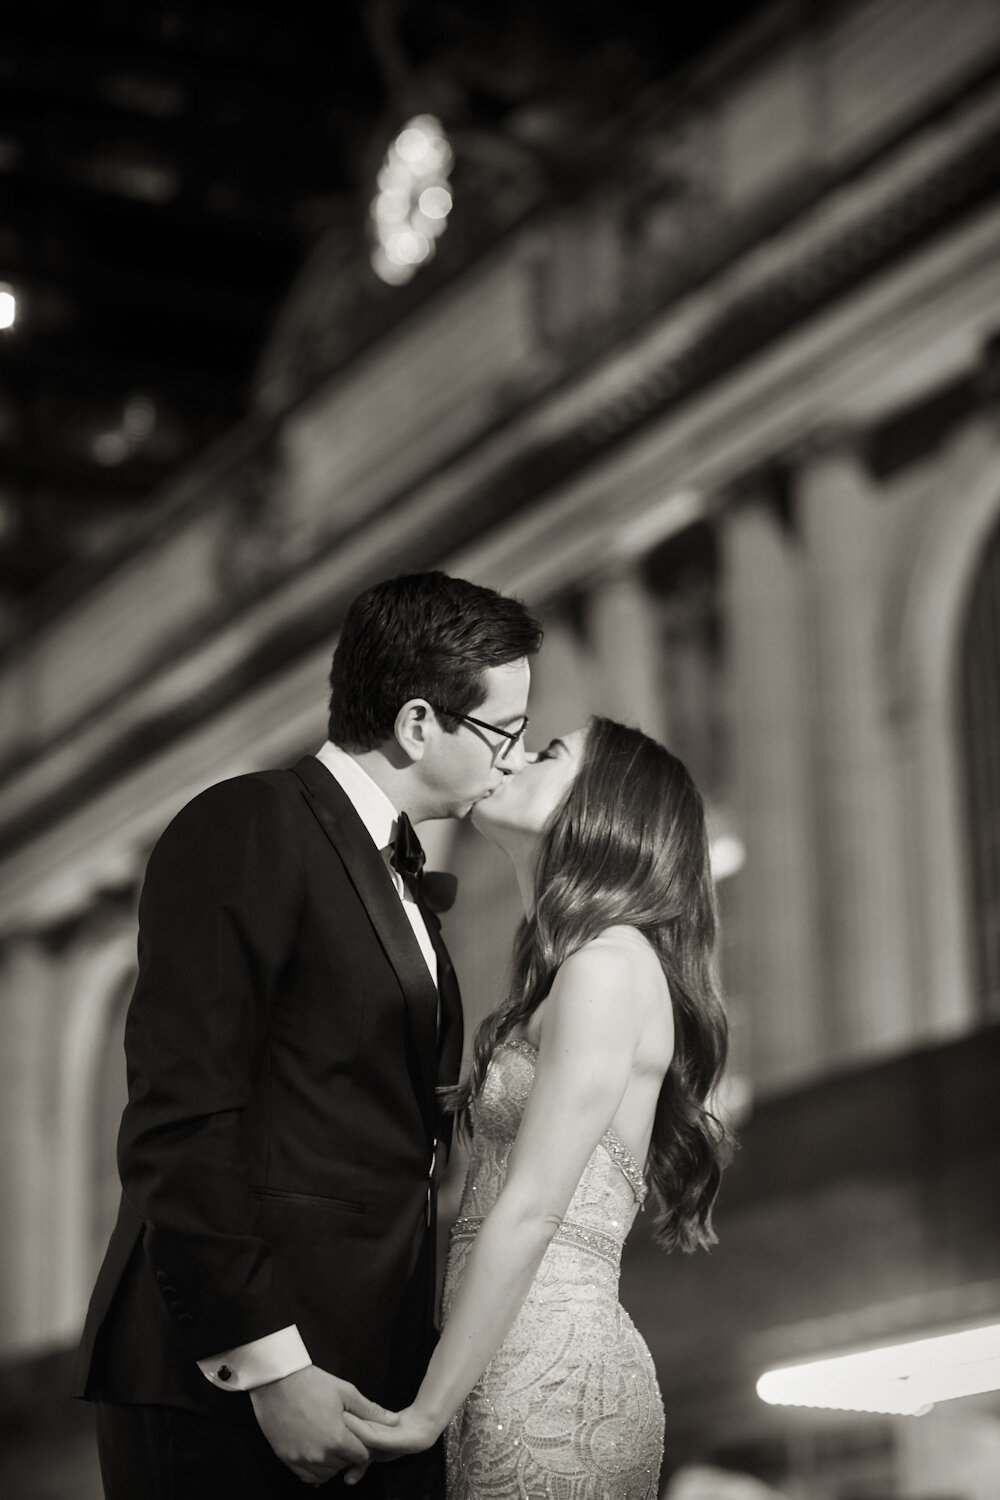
(587, 1097)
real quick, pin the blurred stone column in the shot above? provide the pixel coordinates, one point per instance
(846, 533)
(773, 898)
(96, 977)
(624, 629)
(28, 1250)
(563, 678)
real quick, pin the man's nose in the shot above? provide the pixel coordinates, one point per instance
(516, 759)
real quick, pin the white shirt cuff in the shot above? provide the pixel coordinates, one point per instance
(259, 1362)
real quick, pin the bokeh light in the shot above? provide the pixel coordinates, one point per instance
(411, 207)
(8, 306)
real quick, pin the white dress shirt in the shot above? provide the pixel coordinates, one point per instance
(283, 1352)
(379, 816)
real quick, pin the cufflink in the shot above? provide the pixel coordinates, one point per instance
(224, 1372)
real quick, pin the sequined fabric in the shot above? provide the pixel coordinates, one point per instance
(569, 1408)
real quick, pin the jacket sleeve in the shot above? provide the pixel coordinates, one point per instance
(218, 918)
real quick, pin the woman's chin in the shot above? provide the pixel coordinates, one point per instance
(489, 819)
(479, 813)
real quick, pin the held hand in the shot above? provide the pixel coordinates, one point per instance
(303, 1417)
(411, 1433)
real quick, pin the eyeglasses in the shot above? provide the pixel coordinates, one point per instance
(512, 736)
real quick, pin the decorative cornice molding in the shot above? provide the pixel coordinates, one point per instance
(867, 226)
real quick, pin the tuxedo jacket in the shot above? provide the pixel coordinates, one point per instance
(283, 1047)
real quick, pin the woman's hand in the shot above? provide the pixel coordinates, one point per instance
(413, 1433)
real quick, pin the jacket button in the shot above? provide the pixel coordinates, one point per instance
(162, 1277)
(185, 1320)
(224, 1372)
(177, 1308)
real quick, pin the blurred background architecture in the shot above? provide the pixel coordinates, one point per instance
(696, 348)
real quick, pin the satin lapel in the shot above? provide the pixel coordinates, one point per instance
(336, 815)
(450, 1038)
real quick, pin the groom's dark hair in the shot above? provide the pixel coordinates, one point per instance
(424, 635)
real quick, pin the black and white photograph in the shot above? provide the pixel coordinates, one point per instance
(500, 750)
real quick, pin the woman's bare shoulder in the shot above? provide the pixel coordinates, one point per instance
(623, 947)
(628, 960)
(619, 962)
(618, 976)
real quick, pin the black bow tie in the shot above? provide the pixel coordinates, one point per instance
(438, 890)
(407, 850)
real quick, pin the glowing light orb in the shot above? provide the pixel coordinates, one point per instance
(412, 144)
(138, 419)
(435, 202)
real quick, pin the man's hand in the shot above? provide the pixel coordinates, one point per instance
(302, 1417)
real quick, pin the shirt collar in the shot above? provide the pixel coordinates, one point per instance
(369, 801)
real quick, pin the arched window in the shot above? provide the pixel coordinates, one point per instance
(979, 728)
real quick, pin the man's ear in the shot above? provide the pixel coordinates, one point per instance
(411, 728)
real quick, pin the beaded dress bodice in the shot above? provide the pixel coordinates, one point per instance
(568, 1408)
(612, 1187)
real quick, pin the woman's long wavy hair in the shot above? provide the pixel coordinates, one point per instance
(628, 846)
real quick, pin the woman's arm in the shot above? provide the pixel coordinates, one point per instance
(587, 1052)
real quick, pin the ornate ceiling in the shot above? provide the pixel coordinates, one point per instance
(167, 169)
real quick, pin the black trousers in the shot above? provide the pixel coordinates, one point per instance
(163, 1453)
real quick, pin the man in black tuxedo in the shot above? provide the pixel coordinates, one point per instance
(294, 1013)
